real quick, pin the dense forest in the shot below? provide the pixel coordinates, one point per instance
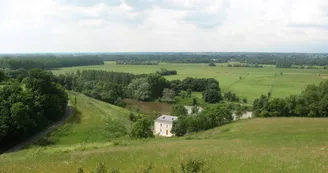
(30, 101)
(48, 63)
(312, 102)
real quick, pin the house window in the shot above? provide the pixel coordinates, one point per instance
(161, 125)
(160, 130)
(167, 126)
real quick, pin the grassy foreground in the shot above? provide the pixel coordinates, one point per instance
(245, 82)
(256, 145)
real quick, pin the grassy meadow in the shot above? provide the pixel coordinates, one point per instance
(89, 118)
(253, 82)
(256, 145)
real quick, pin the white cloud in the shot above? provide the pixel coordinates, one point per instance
(163, 25)
(92, 2)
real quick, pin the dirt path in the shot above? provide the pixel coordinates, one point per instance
(37, 136)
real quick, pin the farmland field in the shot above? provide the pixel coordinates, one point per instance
(245, 82)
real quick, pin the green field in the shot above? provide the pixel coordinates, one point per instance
(255, 145)
(254, 82)
(90, 117)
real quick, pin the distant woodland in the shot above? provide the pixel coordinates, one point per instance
(254, 60)
(48, 62)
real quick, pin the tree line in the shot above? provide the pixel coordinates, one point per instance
(161, 57)
(136, 62)
(312, 102)
(212, 116)
(314, 59)
(28, 105)
(166, 72)
(246, 65)
(281, 60)
(48, 63)
(112, 87)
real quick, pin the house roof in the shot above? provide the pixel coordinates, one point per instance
(167, 118)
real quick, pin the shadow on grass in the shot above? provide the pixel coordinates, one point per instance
(45, 141)
(64, 130)
(76, 117)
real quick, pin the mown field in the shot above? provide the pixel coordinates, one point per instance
(288, 145)
(253, 82)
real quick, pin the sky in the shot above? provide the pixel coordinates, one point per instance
(31, 26)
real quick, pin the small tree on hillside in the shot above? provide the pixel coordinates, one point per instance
(180, 126)
(142, 129)
(179, 110)
(133, 117)
(269, 95)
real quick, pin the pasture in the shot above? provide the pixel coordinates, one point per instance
(245, 82)
(257, 145)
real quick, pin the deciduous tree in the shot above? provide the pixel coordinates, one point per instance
(142, 129)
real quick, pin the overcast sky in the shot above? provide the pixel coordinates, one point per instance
(163, 25)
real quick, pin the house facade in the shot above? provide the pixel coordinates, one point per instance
(163, 125)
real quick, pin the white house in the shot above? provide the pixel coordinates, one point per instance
(163, 125)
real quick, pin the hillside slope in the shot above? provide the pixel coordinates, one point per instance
(255, 145)
(88, 123)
